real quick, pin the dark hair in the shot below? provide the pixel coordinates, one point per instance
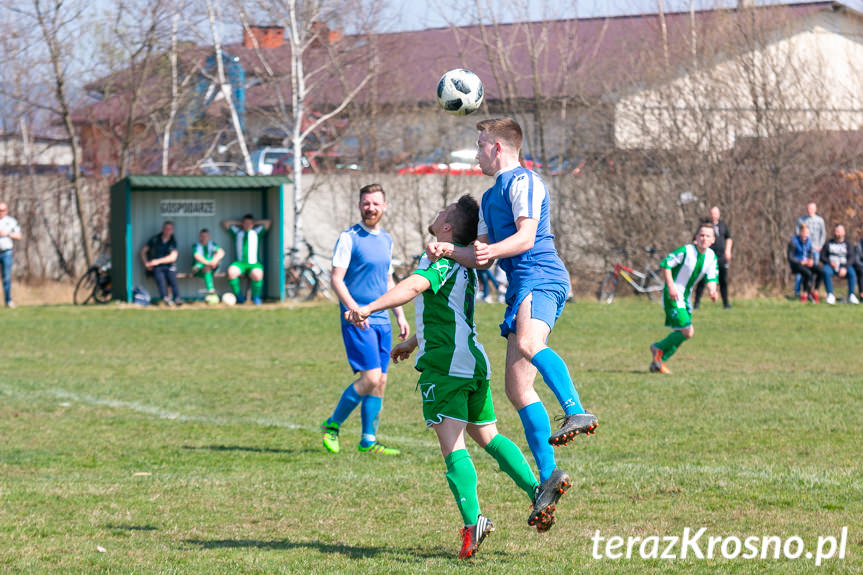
(705, 224)
(464, 220)
(167, 222)
(505, 130)
(371, 189)
(248, 217)
(204, 231)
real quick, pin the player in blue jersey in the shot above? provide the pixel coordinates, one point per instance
(514, 229)
(362, 272)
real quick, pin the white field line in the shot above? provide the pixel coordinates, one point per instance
(849, 479)
(161, 413)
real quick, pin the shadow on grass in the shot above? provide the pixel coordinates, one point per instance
(330, 548)
(238, 448)
(119, 527)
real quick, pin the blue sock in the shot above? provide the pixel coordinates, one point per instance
(537, 428)
(347, 402)
(557, 378)
(370, 411)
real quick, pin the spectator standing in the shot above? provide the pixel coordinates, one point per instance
(858, 265)
(722, 248)
(802, 261)
(9, 230)
(838, 258)
(160, 257)
(817, 234)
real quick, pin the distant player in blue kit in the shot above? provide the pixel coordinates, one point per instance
(514, 228)
(362, 272)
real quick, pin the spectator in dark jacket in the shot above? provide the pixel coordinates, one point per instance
(838, 259)
(858, 265)
(801, 259)
(722, 248)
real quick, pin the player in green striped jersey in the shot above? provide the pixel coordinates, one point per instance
(247, 239)
(454, 370)
(683, 269)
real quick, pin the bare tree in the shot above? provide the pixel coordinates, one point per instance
(56, 24)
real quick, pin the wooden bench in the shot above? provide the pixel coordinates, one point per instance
(187, 275)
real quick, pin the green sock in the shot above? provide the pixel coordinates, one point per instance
(256, 287)
(461, 476)
(512, 462)
(208, 280)
(670, 344)
(235, 285)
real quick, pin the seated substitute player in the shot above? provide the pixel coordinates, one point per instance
(207, 255)
(514, 229)
(683, 269)
(247, 237)
(454, 371)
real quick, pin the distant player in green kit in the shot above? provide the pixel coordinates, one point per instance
(247, 239)
(683, 269)
(454, 370)
(207, 255)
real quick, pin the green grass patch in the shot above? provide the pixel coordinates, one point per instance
(186, 441)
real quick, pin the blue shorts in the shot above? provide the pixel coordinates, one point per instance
(368, 348)
(547, 305)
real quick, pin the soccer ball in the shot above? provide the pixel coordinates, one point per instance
(212, 299)
(228, 298)
(459, 92)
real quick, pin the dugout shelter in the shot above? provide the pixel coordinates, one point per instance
(140, 203)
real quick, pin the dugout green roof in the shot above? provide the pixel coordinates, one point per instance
(206, 182)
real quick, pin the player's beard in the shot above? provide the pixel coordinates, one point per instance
(372, 220)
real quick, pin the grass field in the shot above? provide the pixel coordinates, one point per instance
(186, 441)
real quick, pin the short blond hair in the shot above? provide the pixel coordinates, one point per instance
(504, 130)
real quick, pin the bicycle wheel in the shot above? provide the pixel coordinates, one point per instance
(653, 287)
(300, 283)
(102, 292)
(607, 288)
(86, 286)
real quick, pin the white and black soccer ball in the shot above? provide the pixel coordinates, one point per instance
(460, 92)
(229, 298)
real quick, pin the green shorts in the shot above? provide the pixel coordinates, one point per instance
(677, 313)
(467, 400)
(198, 268)
(246, 268)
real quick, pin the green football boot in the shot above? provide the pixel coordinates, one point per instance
(378, 449)
(331, 436)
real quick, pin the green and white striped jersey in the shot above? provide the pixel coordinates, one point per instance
(445, 326)
(687, 267)
(208, 251)
(247, 244)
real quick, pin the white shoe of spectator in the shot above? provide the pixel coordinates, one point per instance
(831, 299)
(501, 298)
(488, 299)
(853, 299)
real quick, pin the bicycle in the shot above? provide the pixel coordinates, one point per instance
(95, 284)
(304, 281)
(648, 281)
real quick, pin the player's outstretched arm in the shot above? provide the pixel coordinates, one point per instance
(401, 320)
(403, 292)
(465, 255)
(518, 243)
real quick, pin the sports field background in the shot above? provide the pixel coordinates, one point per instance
(186, 441)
